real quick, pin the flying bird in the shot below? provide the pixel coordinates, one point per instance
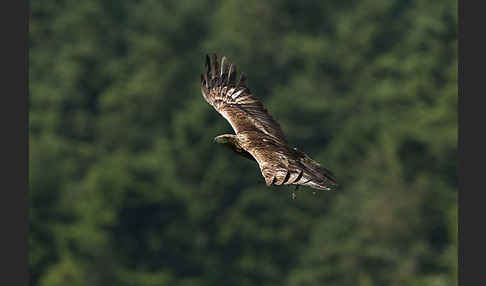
(258, 136)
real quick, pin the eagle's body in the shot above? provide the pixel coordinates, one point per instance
(258, 136)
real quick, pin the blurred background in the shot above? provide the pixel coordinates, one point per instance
(127, 187)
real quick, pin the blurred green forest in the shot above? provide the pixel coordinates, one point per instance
(127, 187)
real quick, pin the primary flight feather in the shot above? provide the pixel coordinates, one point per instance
(258, 136)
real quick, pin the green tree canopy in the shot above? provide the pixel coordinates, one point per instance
(127, 188)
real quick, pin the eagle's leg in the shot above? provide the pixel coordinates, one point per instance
(293, 192)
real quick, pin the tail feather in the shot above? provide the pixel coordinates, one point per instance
(319, 177)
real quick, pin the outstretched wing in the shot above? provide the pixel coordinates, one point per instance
(282, 165)
(234, 101)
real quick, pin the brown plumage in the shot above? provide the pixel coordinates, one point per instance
(258, 136)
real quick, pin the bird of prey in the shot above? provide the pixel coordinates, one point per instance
(258, 136)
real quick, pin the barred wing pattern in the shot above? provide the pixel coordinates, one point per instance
(235, 102)
(257, 132)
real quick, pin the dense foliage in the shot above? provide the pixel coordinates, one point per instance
(127, 188)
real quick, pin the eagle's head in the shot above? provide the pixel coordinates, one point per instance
(225, 139)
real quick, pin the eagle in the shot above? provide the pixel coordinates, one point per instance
(258, 136)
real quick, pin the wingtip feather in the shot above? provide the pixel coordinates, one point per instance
(242, 81)
(207, 64)
(214, 66)
(232, 74)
